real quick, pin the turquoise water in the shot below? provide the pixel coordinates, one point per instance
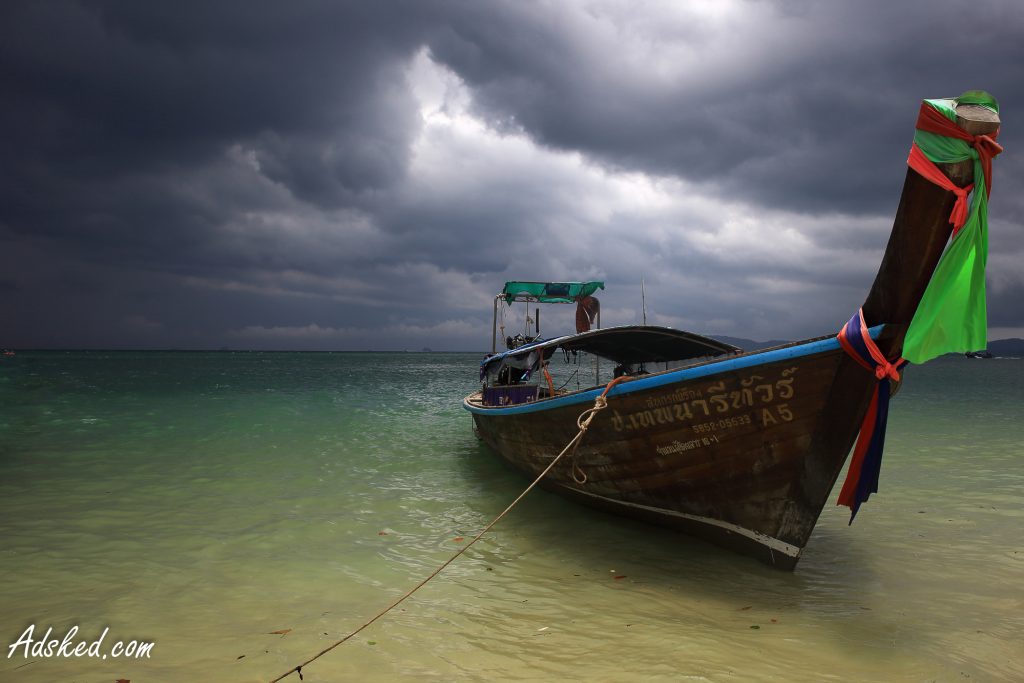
(201, 501)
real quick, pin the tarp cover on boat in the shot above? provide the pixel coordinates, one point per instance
(549, 292)
(629, 345)
(633, 344)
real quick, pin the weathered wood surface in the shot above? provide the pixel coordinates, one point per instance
(976, 120)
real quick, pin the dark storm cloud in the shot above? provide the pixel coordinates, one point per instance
(328, 174)
(120, 89)
(807, 120)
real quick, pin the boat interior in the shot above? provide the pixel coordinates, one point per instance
(528, 372)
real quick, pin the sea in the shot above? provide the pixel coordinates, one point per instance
(225, 516)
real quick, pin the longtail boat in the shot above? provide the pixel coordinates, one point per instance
(743, 448)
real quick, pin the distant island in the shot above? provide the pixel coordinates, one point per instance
(1006, 347)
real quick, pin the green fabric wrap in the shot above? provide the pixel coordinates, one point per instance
(952, 316)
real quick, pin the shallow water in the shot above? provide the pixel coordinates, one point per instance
(200, 501)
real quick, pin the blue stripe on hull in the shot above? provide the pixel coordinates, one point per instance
(674, 377)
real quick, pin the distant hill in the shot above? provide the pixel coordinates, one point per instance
(1006, 347)
(1000, 347)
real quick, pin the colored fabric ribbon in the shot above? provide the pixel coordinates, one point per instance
(931, 120)
(952, 315)
(923, 165)
(866, 464)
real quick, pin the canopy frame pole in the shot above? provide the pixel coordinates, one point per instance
(494, 326)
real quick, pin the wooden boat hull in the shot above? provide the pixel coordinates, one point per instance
(742, 452)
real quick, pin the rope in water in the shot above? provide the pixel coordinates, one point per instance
(583, 422)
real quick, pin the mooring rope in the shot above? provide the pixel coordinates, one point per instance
(583, 422)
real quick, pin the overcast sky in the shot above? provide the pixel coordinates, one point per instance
(342, 175)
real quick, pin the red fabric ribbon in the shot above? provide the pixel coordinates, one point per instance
(888, 370)
(857, 342)
(848, 494)
(923, 165)
(931, 120)
(862, 476)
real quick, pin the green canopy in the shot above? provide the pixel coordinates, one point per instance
(549, 292)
